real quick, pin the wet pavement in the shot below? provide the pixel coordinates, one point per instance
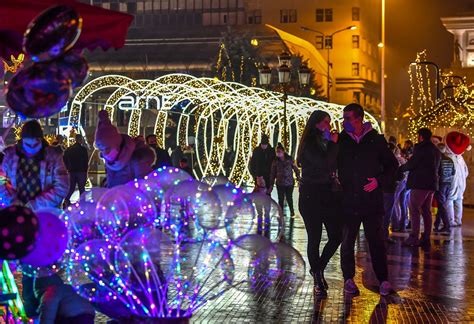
(432, 286)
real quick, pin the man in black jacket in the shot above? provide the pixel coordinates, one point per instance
(162, 156)
(422, 181)
(365, 167)
(76, 159)
(261, 161)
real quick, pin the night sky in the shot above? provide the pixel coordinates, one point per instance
(411, 26)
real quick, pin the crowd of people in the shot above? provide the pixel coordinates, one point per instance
(345, 179)
(356, 177)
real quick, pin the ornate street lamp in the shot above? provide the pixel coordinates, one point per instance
(304, 74)
(284, 59)
(265, 75)
(284, 74)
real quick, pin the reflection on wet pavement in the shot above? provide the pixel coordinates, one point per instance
(432, 286)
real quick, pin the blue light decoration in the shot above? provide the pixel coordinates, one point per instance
(163, 246)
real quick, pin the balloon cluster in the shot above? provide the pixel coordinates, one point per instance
(164, 245)
(43, 88)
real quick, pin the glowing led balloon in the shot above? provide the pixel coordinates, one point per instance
(215, 180)
(277, 271)
(151, 188)
(81, 219)
(92, 273)
(168, 176)
(146, 253)
(241, 218)
(123, 208)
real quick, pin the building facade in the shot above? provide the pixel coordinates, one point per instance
(168, 26)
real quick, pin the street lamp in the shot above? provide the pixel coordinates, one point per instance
(328, 46)
(284, 77)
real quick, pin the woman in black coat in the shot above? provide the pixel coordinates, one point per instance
(317, 156)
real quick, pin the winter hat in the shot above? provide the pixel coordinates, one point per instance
(106, 134)
(32, 129)
(457, 142)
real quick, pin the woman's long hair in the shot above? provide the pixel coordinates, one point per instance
(310, 134)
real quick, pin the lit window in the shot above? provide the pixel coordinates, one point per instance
(319, 42)
(355, 41)
(355, 69)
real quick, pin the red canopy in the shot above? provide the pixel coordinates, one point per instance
(101, 27)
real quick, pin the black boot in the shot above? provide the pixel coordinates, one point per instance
(319, 287)
(325, 283)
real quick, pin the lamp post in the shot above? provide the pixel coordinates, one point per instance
(284, 77)
(328, 45)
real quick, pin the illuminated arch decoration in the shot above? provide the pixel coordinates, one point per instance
(208, 109)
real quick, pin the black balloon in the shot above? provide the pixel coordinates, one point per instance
(75, 67)
(52, 33)
(18, 232)
(40, 90)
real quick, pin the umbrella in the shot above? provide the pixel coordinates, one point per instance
(101, 27)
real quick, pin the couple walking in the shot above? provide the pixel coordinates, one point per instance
(341, 187)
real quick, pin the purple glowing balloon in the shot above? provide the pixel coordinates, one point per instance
(38, 91)
(52, 33)
(51, 243)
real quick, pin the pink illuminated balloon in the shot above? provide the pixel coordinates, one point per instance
(52, 33)
(38, 91)
(51, 242)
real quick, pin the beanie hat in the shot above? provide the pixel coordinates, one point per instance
(457, 142)
(32, 129)
(106, 134)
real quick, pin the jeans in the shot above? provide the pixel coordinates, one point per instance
(442, 198)
(420, 204)
(286, 191)
(318, 206)
(374, 233)
(403, 209)
(76, 178)
(388, 201)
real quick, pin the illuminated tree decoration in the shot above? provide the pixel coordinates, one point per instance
(453, 110)
(207, 109)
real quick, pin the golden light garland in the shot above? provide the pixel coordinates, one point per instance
(212, 105)
(455, 111)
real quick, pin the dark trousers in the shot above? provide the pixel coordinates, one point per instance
(374, 233)
(30, 302)
(79, 179)
(388, 201)
(318, 206)
(420, 205)
(286, 191)
(442, 198)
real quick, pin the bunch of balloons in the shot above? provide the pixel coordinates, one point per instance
(164, 245)
(43, 88)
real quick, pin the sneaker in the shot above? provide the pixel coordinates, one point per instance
(385, 288)
(350, 287)
(411, 241)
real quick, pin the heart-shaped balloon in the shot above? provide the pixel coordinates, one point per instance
(40, 90)
(52, 33)
(457, 142)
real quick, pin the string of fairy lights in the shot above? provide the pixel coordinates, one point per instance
(207, 109)
(455, 107)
